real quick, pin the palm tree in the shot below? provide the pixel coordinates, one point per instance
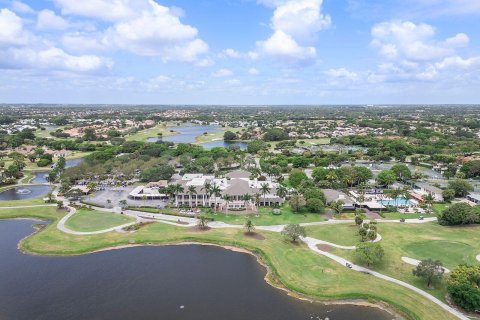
(331, 176)
(91, 186)
(282, 191)
(429, 199)
(257, 199)
(264, 189)
(216, 192)
(191, 191)
(207, 187)
(170, 191)
(226, 198)
(246, 198)
(249, 225)
(177, 189)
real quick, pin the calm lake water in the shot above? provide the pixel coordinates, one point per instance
(185, 134)
(24, 193)
(40, 177)
(147, 283)
(73, 162)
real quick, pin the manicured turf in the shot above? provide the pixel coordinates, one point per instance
(17, 203)
(345, 234)
(266, 217)
(143, 135)
(295, 266)
(92, 220)
(398, 215)
(451, 245)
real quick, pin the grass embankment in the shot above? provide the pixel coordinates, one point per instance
(214, 136)
(86, 220)
(264, 217)
(17, 203)
(143, 135)
(295, 266)
(451, 245)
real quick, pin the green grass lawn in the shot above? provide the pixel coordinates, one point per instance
(91, 220)
(293, 266)
(214, 136)
(345, 234)
(265, 217)
(398, 215)
(451, 245)
(143, 135)
(16, 203)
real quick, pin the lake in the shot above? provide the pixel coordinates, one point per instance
(39, 177)
(174, 282)
(23, 193)
(186, 134)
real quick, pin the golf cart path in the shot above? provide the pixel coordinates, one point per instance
(312, 244)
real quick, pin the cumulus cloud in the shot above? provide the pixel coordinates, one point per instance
(108, 10)
(253, 72)
(11, 29)
(412, 51)
(48, 20)
(283, 45)
(21, 7)
(142, 27)
(19, 49)
(295, 25)
(342, 73)
(222, 73)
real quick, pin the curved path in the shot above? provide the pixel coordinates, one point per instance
(312, 243)
(61, 225)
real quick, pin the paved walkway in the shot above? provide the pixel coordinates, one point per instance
(312, 243)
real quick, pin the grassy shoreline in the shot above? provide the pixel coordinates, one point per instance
(294, 267)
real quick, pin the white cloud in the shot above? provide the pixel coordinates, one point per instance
(342, 73)
(108, 10)
(23, 50)
(282, 44)
(52, 59)
(21, 7)
(11, 29)
(83, 42)
(142, 27)
(48, 20)
(295, 25)
(301, 19)
(222, 73)
(230, 53)
(407, 40)
(411, 51)
(253, 72)
(457, 62)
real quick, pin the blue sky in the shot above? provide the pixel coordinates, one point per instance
(240, 51)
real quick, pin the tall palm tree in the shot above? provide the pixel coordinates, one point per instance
(429, 199)
(216, 192)
(191, 191)
(226, 198)
(207, 187)
(331, 176)
(177, 189)
(246, 198)
(264, 189)
(257, 199)
(282, 191)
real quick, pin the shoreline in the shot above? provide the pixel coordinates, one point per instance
(268, 276)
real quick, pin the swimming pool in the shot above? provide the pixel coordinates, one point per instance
(398, 202)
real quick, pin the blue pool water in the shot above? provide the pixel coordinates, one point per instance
(399, 202)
